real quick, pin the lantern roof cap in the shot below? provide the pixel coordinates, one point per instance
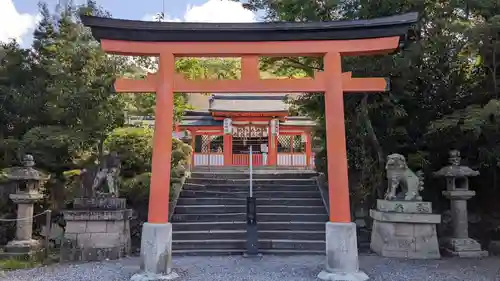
(25, 172)
(455, 169)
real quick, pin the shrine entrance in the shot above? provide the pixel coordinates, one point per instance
(241, 153)
(247, 136)
(251, 41)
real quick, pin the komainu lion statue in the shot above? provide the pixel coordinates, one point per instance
(399, 175)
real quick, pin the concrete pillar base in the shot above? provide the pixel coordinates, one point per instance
(156, 253)
(153, 277)
(342, 276)
(342, 253)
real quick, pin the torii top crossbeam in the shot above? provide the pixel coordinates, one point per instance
(331, 40)
(265, 37)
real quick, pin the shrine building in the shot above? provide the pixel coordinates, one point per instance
(223, 129)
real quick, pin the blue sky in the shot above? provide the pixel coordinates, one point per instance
(129, 9)
(19, 17)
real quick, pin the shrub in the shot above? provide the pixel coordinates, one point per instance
(54, 148)
(136, 189)
(134, 145)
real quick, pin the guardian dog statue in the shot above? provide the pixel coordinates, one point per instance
(400, 176)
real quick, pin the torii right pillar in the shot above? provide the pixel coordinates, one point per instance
(341, 237)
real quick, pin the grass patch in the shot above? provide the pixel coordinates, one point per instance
(15, 263)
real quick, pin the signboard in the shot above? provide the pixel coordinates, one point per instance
(228, 126)
(249, 132)
(263, 147)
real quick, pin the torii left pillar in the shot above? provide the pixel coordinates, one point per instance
(156, 240)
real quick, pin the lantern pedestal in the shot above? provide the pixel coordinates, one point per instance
(23, 244)
(460, 244)
(457, 191)
(24, 247)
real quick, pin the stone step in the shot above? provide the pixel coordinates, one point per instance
(285, 244)
(224, 244)
(241, 217)
(218, 209)
(262, 226)
(291, 225)
(246, 187)
(230, 244)
(275, 217)
(244, 194)
(231, 217)
(208, 252)
(262, 181)
(215, 252)
(291, 235)
(288, 252)
(242, 234)
(210, 225)
(260, 202)
(255, 175)
(210, 235)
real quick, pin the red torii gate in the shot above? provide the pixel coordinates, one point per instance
(331, 40)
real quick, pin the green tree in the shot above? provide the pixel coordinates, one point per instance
(192, 68)
(443, 87)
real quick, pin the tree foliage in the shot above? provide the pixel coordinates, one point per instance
(444, 89)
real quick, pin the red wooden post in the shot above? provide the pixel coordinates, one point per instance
(338, 189)
(193, 144)
(162, 142)
(228, 150)
(308, 147)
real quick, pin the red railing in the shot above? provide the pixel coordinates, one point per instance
(244, 160)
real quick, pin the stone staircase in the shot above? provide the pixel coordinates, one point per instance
(210, 216)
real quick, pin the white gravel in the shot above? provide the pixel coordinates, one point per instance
(270, 268)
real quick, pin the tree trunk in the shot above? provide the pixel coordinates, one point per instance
(100, 148)
(378, 189)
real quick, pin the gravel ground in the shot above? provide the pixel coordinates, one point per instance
(270, 268)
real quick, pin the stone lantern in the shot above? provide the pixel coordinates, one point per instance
(457, 190)
(27, 181)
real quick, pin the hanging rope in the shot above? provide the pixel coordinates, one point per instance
(27, 218)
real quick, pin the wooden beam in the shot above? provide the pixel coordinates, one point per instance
(235, 49)
(247, 86)
(363, 85)
(253, 85)
(250, 68)
(146, 85)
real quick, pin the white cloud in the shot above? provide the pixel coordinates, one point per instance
(219, 11)
(14, 25)
(212, 11)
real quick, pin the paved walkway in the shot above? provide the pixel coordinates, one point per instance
(270, 268)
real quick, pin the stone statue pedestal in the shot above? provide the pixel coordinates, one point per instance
(405, 229)
(96, 229)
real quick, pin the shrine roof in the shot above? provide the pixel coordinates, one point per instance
(248, 103)
(133, 30)
(197, 118)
